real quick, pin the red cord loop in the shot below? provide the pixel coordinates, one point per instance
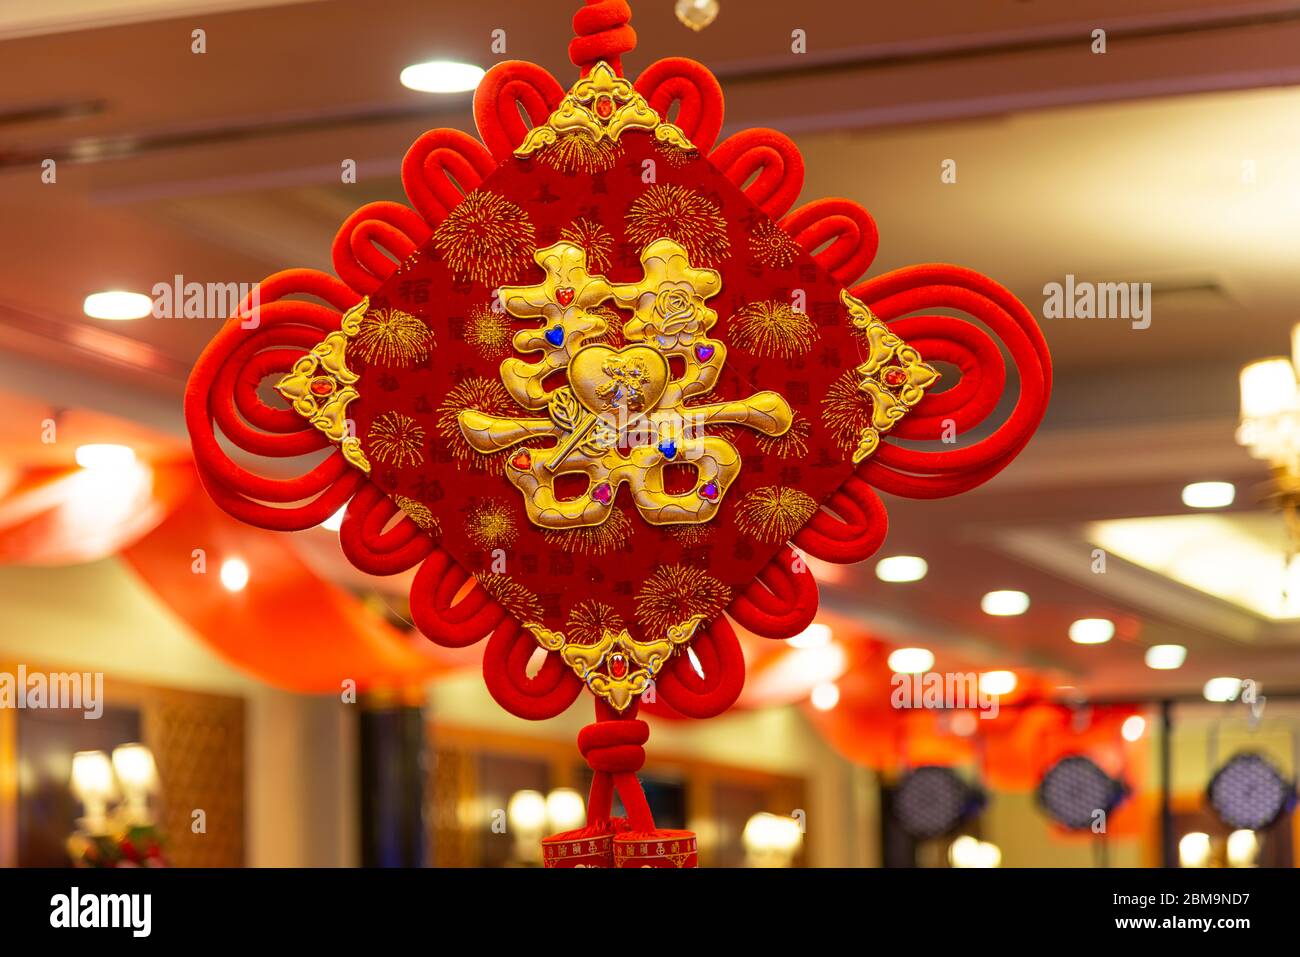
(603, 33)
(614, 747)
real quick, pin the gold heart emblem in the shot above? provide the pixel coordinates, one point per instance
(605, 380)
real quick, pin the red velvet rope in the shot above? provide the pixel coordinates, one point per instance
(603, 33)
(509, 87)
(848, 228)
(677, 81)
(723, 665)
(440, 615)
(440, 168)
(614, 749)
(373, 549)
(505, 672)
(776, 160)
(263, 340)
(782, 601)
(932, 474)
(856, 534)
(360, 243)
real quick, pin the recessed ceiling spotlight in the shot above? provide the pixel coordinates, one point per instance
(117, 304)
(1092, 631)
(441, 76)
(998, 682)
(826, 696)
(1209, 494)
(1222, 689)
(901, 568)
(815, 635)
(1005, 604)
(335, 521)
(104, 455)
(1165, 657)
(911, 661)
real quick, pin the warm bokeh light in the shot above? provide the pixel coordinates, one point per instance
(1209, 494)
(565, 810)
(825, 696)
(998, 682)
(335, 521)
(967, 851)
(104, 455)
(526, 811)
(901, 568)
(1243, 848)
(910, 661)
(117, 305)
(234, 574)
(1165, 657)
(1005, 604)
(441, 76)
(816, 635)
(1222, 689)
(1194, 849)
(1092, 631)
(1133, 728)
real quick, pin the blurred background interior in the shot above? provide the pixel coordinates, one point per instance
(1127, 587)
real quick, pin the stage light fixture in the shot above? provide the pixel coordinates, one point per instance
(1248, 793)
(931, 801)
(1074, 789)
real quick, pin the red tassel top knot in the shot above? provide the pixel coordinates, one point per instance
(614, 746)
(603, 34)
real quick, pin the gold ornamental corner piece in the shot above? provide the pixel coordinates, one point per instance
(617, 667)
(894, 376)
(321, 387)
(602, 105)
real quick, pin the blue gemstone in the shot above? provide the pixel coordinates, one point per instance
(555, 336)
(669, 448)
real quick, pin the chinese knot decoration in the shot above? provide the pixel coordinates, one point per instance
(610, 393)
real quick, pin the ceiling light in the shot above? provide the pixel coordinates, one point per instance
(1243, 848)
(911, 661)
(826, 696)
(901, 568)
(441, 76)
(1209, 494)
(1133, 727)
(234, 574)
(1092, 631)
(1238, 557)
(998, 682)
(117, 304)
(335, 521)
(104, 456)
(1222, 689)
(815, 635)
(1165, 657)
(1005, 604)
(565, 810)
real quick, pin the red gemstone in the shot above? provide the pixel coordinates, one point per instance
(618, 666)
(322, 386)
(604, 107)
(895, 376)
(523, 461)
(564, 296)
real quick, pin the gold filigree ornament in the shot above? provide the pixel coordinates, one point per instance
(617, 667)
(601, 106)
(894, 376)
(320, 387)
(623, 417)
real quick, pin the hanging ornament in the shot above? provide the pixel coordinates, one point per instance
(590, 411)
(697, 14)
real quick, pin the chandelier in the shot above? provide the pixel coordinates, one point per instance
(1270, 429)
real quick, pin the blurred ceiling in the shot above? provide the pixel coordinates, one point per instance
(1172, 159)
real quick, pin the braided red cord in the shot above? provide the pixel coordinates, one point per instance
(603, 33)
